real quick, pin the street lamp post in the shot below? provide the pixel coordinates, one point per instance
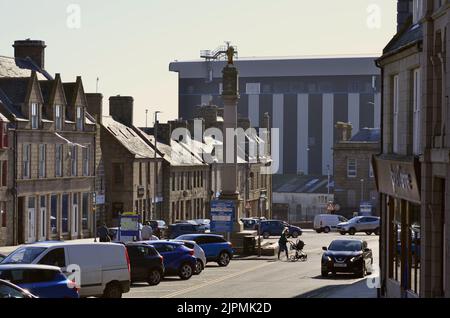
(155, 163)
(262, 197)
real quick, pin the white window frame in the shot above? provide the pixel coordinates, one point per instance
(26, 161)
(58, 117)
(417, 116)
(79, 117)
(86, 159)
(253, 88)
(34, 116)
(352, 173)
(42, 160)
(59, 160)
(73, 161)
(395, 112)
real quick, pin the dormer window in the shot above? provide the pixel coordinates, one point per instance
(79, 118)
(34, 116)
(58, 117)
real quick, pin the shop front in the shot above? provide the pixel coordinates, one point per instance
(398, 182)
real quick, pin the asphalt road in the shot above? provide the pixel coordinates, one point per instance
(260, 278)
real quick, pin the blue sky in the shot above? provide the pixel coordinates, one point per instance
(129, 44)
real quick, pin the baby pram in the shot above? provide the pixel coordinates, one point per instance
(299, 254)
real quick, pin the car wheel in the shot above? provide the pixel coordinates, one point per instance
(154, 278)
(295, 234)
(369, 233)
(342, 233)
(363, 271)
(377, 231)
(186, 271)
(352, 231)
(224, 259)
(112, 290)
(327, 229)
(198, 267)
(266, 235)
(324, 274)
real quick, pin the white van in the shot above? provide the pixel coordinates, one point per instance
(327, 222)
(104, 267)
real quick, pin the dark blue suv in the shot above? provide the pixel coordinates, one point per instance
(178, 229)
(178, 259)
(275, 228)
(216, 248)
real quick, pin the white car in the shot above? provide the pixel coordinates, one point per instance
(104, 268)
(198, 253)
(327, 222)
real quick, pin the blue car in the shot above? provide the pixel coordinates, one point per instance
(275, 228)
(216, 248)
(178, 229)
(178, 259)
(40, 280)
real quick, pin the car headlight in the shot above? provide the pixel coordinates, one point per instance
(356, 258)
(326, 258)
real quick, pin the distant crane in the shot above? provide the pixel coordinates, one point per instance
(220, 53)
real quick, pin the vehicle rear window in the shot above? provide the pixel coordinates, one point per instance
(214, 239)
(189, 245)
(24, 255)
(28, 276)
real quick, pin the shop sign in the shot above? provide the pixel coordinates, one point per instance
(398, 178)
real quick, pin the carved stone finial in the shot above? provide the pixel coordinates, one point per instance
(230, 54)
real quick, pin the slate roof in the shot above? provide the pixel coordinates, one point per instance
(21, 67)
(128, 138)
(13, 92)
(412, 33)
(367, 135)
(46, 89)
(301, 184)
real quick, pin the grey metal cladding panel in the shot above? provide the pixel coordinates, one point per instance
(290, 134)
(285, 67)
(187, 106)
(243, 106)
(367, 111)
(265, 106)
(340, 111)
(315, 134)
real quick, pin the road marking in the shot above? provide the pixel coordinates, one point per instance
(184, 291)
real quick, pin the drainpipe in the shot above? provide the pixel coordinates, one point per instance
(14, 190)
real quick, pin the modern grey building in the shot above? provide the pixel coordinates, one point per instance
(305, 97)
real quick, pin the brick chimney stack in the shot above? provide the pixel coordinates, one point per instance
(121, 109)
(404, 11)
(34, 49)
(344, 131)
(95, 106)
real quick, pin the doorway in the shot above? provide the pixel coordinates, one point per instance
(75, 215)
(31, 219)
(43, 220)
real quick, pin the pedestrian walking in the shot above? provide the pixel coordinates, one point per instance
(282, 243)
(103, 233)
(147, 231)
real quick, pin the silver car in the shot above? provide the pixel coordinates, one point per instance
(366, 224)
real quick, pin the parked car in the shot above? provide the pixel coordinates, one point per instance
(2, 257)
(204, 224)
(327, 222)
(347, 256)
(178, 229)
(199, 253)
(178, 259)
(250, 223)
(40, 280)
(276, 227)
(105, 267)
(216, 248)
(159, 228)
(147, 265)
(9, 290)
(366, 224)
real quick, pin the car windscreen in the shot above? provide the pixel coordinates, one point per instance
(345, 246)
(24, 255)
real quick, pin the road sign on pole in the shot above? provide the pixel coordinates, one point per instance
(222, 216)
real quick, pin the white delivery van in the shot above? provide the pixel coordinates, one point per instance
(327, 222)
(104, 268)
